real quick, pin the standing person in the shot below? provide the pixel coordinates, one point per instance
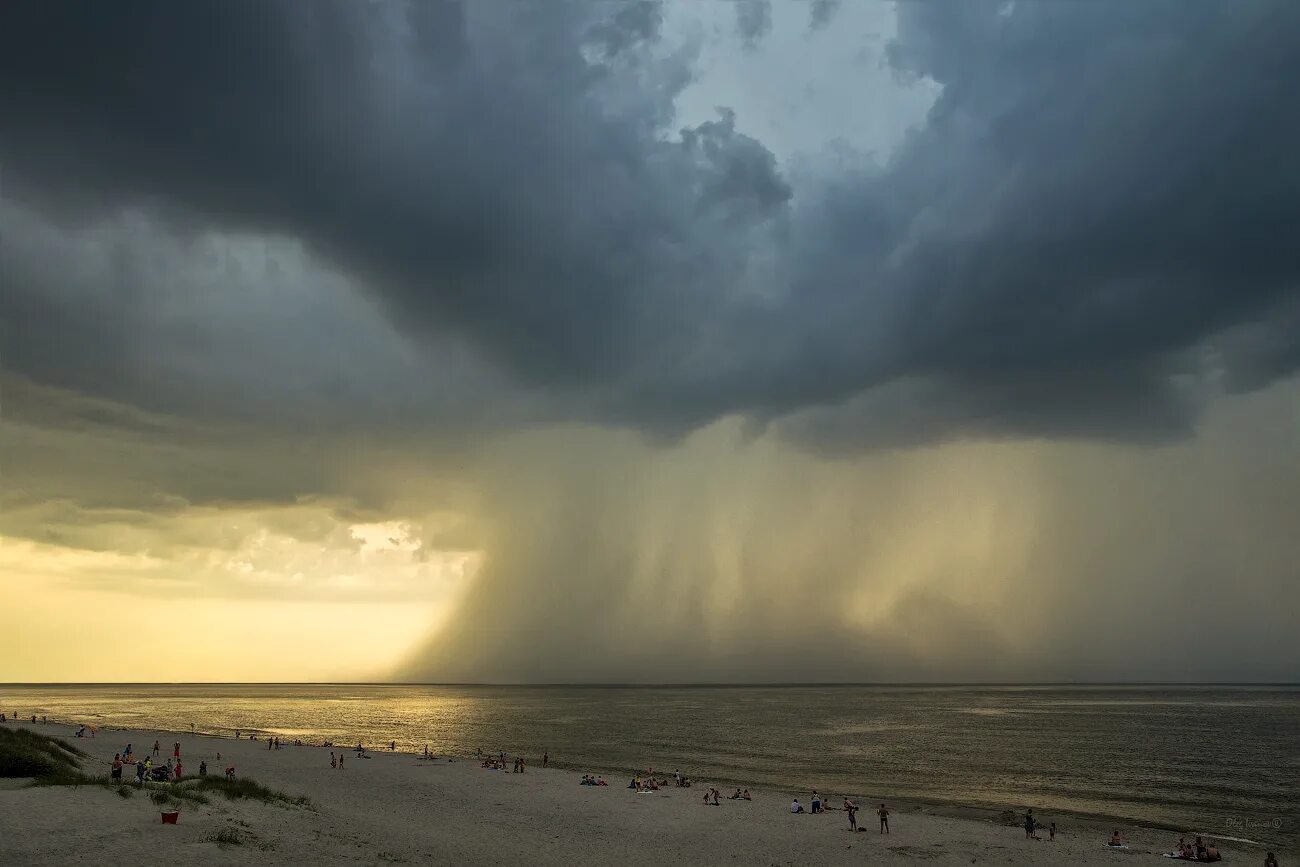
(340, 761)
(1270, 860)
(203, 769)
(139, 772)
(852, 809)
(157, 748)
(392, 746)
(1030, 824)
(1051, 832)
(179, 770)
(883, 813)
(116, 775)
(546, 757)
(176, 750)
(333, 761)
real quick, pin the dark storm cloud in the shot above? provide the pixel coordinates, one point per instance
(753, 19)
(821, 12)
(1100, 190)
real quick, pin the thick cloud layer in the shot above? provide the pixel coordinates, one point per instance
(374, 303)
(1100, 189)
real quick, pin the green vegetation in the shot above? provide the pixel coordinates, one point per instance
(50, 761)
(24, 753)
(227, 837)
(243, 790)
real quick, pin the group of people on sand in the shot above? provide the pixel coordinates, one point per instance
(816, 804)
(1203, 850)
(739, 795)
(650, 784)
(589, 780)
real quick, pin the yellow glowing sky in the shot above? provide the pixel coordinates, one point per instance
(585, 554)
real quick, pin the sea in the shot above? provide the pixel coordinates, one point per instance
(1221, 760)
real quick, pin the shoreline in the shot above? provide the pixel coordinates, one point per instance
(396, 786)
(963, 810)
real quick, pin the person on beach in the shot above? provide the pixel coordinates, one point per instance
(116, 773)
(852, 809)
(883, 813)
(176, 750)
(179, 769)
(157, 747)
(795, 806)
(139, 772)
(744, 796)
(1270, 860)
(230, 773)
(1030, 824)
(735, 796)
(333, 761)
(1051, 833)
(1115, 841)
(816, 803)
(203, 769)
(546, 758)
(340, 761)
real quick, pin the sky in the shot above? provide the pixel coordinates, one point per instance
(637, 342)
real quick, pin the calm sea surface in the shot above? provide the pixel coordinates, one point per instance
(1223, 760)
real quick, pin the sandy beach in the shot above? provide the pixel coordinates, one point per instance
(398, 808)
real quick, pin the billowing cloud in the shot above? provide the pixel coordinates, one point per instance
(1096, 185)
(527, 312)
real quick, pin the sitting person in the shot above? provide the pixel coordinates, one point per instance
(1115, 839)
(735, 797)
(600, 781)
(795, 806)
(1212, 852)
(230, 773)
(744, 796)
(1270, 860)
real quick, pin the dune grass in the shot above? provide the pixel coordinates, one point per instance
(50, 761)
(243, 789)
(24, 753)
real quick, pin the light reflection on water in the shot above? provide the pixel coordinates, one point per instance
(1191, 756)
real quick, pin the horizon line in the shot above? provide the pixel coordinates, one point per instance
(656, 684)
